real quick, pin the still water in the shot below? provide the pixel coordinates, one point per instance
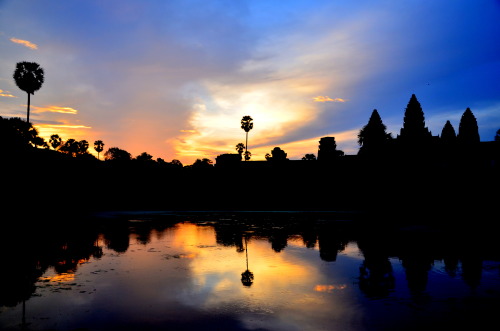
(150, 271)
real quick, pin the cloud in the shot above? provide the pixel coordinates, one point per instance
(321, 98)
(55, 109)
(26, 43)
(6, 94)
(64, 130)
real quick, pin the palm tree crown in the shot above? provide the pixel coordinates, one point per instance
(98, 147)
(29, 77)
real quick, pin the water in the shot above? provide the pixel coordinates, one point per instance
(245, 272)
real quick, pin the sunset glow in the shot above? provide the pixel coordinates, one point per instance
(167, 85)
(55, 109)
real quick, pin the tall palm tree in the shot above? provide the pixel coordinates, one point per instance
(29, 77)
(98, 147)
(247, 276)
(247, 125)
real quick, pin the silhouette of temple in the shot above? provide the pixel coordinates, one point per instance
(414, 143)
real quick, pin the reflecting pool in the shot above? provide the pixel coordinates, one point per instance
(255, 271)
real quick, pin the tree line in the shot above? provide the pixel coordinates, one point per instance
(373, 139)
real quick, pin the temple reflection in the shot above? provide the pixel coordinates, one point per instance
(269, 241)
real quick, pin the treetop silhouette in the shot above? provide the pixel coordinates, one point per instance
(29, 77)
(98, 147)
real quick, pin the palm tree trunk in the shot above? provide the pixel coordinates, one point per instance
(246, 147)
(246, 250)
(28, 117)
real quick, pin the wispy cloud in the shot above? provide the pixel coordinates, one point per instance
(321, 98)
(75, 131)
(26, 43)
(55, 109)
(6, 94)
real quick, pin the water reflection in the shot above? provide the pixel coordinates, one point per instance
(247, 275)
(300, 273)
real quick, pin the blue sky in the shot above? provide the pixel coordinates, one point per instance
(174, 78)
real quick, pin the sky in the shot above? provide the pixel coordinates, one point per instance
(173, 78)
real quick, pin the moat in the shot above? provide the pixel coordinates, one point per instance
(246, 271)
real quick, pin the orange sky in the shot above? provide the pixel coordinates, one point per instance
(174, 80)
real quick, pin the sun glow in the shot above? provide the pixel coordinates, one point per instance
(215, 121)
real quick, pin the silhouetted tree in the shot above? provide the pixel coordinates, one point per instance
(448, 135)
(176, 163)
(98, 147)
(29, 77)
(117, 154)
(202, 164)
(309, 157)
(16, 134)
(246, 125)
(240, 148)
(268, 157)
(74, 148)
(414, 130)
(70, 147)
(55, 141)
(497, 135)
(327, 150)
(248, 155)
(144, 157)
(468, 132)
(373, 137)
(277, 154)
(83, 146)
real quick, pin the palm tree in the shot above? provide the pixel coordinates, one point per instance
(70, 147)
(247, 276)
(240, 147)
(247, 125)
(98, 147)
(55, 141)
(83, 146)
(29, 77)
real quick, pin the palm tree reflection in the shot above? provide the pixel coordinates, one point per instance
(247, 275)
